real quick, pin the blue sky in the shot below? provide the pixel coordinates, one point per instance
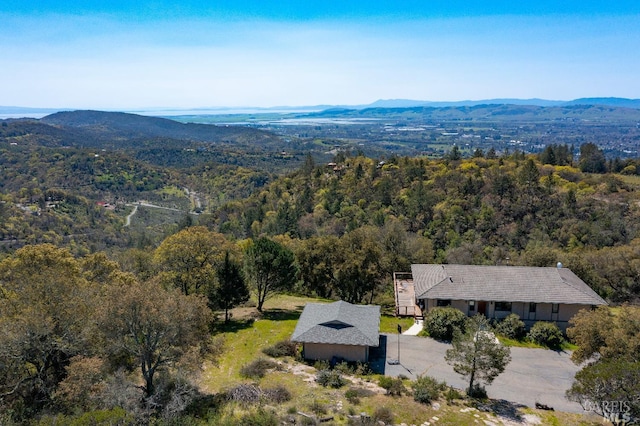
(123, 54)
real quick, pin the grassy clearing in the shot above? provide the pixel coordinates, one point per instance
(389, 324)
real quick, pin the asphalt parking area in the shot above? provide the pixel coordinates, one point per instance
(533, 375)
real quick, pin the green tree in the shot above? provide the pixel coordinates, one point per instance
(592, 159)
(188, 260)
(359, 271)
(600, 334)
(610, 343)
(231, 290)
(454, 154)
(270, 268)
(157, 328)
(477, 354)
(610, 388)
(529, 174)
(317, 259)
(46, 305)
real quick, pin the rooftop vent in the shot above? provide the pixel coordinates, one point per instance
(559, 265)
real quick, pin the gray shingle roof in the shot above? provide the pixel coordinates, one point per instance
(338, 323)
(502, 284)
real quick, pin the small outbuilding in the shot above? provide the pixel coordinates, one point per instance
(338, 330)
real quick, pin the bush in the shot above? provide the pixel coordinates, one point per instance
(452, 394)
(261, 417)
(318, 408)
(511, 327)
(353, 395)
(546, 334)
(257, 369)
(282, 348)
(385, 382)
(440, 323)
(426, 389)
(394, 387)
(477, 391)
(330, 378)
(277, 395)
(384, 415)
(344, 368)
(321, 365)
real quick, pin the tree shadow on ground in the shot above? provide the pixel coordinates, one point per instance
(280, 314)
(507, 409)
(231, 326)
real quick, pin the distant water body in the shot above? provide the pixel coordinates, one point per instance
(159, 112)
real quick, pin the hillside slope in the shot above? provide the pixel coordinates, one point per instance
(133, 126)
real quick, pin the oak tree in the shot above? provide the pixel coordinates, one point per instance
(155, 326)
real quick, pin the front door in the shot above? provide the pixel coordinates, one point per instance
(482, 308)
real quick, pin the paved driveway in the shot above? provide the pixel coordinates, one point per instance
(533, 375)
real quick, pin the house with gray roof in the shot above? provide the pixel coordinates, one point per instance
(338, 330)
(533, 293)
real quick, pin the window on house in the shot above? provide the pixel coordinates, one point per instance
(472, 305)
(532, 308)
(555, 308)
(503, 306)
(443, 302)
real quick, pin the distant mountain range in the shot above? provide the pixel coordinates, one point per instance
(116, 129)
(381, 103)
(407, 103)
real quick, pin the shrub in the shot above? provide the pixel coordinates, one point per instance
(257, 369)
(352, 396)
(452, 394)
(330, 378)
(546, 334)
(277, 395)
(393, 386)
(440, 323)
(362, 369)
(321, 365)
(384, 415)
(385, 382)
(282, 348)
(477, 391)
(512, 327)
(426, 389)
(260, 417)
(318, 408)
(344, 368)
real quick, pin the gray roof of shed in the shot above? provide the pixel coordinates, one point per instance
(502, 284)
(339, 323)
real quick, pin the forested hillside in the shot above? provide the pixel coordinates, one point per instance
(511, 210)
(161, 232)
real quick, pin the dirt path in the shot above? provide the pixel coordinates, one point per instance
(128, 220)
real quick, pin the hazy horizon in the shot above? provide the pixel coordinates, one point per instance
(126, 55)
